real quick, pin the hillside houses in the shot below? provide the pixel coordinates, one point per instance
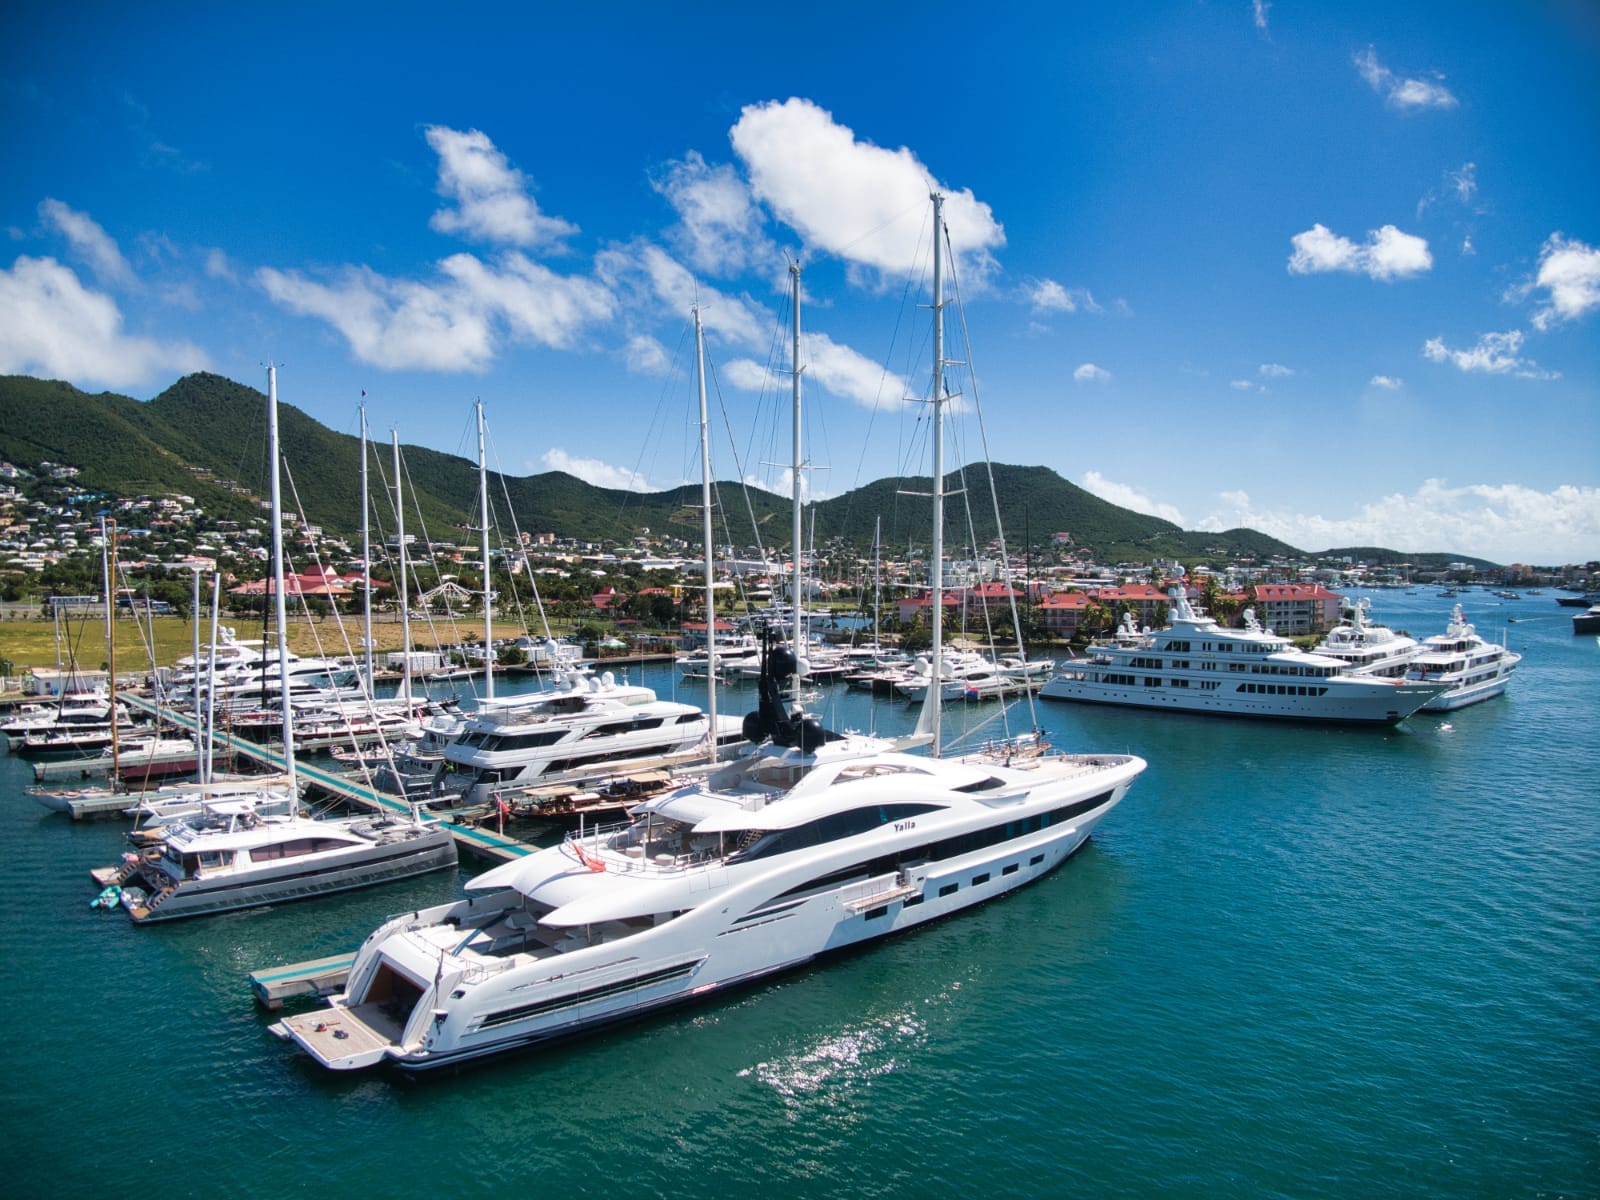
(50, 539)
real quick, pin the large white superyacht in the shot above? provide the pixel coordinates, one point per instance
(812, 842)
(1196, 665)
(815, 842)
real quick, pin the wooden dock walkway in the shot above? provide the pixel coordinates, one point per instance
(475, 841)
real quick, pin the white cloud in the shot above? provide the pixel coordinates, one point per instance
(592, 470)
(1494, 354)
(391, 323)
(451, 325)
(1392, 254)
(492, 200)
(639, 272)
(1388, 253)
(720, 227)
(1046, 295)
(1500, 522)
(860, 202)
(1569, 273)
(1126, 497)
(1243, 385)
(1258, 11)
(1402, 93)
(218, 266)
(89, 241)
(536, 304)
(1388, 383)
(850, 374)
(1320, 249)
(52, 326)
(830, 366)
(644, 355)
(1089, 373)
(748, 376)
(1274, 371)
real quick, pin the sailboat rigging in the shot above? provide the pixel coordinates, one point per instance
(812, 842)
(237, 854)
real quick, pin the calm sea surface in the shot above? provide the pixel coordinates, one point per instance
(1293, 962)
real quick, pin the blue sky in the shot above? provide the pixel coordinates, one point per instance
(1331, 271)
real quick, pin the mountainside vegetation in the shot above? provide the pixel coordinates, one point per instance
(205, 437)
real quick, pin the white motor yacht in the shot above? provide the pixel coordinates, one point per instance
(731, 656)
(1467, 668)
(1368, 649)
(72, 711)
(238, 856)
(588, 725)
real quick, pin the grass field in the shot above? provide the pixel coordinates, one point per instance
(31, 642)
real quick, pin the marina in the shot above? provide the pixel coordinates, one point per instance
(1028, 634)
(1223, 955)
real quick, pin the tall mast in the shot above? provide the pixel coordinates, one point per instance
(705, 509)
(877, 590)
(928, 721)
(208, 720)
(488, 615)
(799, 624)
(110, 591)
(109, 550)
(282, 603)
(405, 603)
(366, 556)
(194, 618)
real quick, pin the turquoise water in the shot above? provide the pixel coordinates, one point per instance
(1293, 962)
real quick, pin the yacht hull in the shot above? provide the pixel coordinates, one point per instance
(771, 923)
(1471, 694)
(291, 881)
(1388, 706)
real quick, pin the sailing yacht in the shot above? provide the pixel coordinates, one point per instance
(237, 855)
(812, 842)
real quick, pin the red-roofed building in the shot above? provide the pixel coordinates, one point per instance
(993, 593)
(313, 584)
(920, 608)
(1062, 613)
(1148, 601)
(1294, 608)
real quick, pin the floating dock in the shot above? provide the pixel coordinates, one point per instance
(317, 978)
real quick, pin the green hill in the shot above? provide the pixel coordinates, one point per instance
(205, 437)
